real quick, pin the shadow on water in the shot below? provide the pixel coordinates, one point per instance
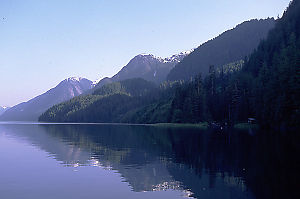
(208, 163)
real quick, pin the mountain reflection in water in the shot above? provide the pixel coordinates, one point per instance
(200, 163)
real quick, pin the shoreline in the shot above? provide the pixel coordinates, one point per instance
(202, 125)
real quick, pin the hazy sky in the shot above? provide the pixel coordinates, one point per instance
(43, 42)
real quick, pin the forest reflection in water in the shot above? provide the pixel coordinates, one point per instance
(200, 163)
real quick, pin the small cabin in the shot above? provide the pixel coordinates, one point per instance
(251, 120)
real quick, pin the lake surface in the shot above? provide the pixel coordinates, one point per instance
(59, 161)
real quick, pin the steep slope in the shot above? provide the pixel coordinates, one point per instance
(230, 46)
(106, 104)
(149, 67)
(146, 66)
(267, 88)
(275, 65)
(31, 110)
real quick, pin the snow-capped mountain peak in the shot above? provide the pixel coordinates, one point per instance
(32, 109)
(146, 66)
(148, 55)
(3, 109)
(74, 79)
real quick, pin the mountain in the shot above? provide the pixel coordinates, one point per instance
(146, 66)
(266, 88)
(231, 46)
(3, 109)
(275, 68)
(106, 104)
(32, 109)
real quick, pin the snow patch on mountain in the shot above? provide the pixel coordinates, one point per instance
(74, 79)
(96, 82)
(174, 58)
(32, 109)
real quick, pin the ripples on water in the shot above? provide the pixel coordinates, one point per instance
(123, 161)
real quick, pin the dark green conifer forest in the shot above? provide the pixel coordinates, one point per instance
(265, 86)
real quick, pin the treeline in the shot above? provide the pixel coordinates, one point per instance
(106, 104)
(265, 86)
(228, 47)
(140, 101)
(216, 98)
(275, 70)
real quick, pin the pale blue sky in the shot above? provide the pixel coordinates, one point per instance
(45, 41)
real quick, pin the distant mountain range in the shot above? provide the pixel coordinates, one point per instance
(3, 109)
(146, 66)
(231, 46)
(31, 110)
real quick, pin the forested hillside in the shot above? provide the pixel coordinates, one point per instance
(232, 45)
(275, 67)
(265, 86)
(106, 104)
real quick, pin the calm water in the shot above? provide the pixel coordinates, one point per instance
(116, 161)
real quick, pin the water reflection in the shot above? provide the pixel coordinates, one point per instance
(203, 164)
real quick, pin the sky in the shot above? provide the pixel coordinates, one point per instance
(43, 42)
